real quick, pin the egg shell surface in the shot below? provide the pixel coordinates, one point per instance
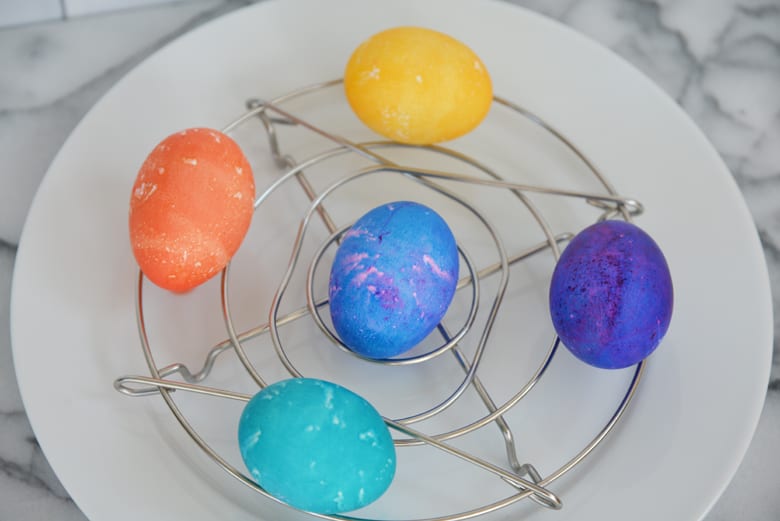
(392, 279)
(316, 446)
(416, 85)
(611, 295)
(190, 208)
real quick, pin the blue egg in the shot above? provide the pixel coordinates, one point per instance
(611, 295)
(393, 278)
(316, 446)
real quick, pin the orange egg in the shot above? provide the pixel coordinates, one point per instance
(418, 86)
(190, 208)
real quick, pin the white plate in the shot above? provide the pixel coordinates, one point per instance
(72, 311)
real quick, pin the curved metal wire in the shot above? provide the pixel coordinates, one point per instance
(611, 204)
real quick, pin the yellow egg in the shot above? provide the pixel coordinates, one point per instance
(418, 86)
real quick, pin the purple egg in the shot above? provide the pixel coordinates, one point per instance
(393, 278)
(611, 295)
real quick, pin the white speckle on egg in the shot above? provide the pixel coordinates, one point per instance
(369, 435)
(353, 232)
(255, 437)
(145, 191)
(360, 278)
(352, 261)
(402, 120)
(435, 268)
(190, 161)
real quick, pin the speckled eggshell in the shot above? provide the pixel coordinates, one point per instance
(393, 278)
(316, 446)
(190, 208)
(416, 85)
(611, 295)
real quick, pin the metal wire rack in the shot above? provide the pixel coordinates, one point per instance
(524, 480)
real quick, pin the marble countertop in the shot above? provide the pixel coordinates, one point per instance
(719, 59)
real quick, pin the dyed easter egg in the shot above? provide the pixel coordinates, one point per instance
(393, 278)
(418, 86)
(190, 208)
(611, 295)
(316, 446)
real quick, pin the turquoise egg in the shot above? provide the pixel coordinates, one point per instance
(316, 446)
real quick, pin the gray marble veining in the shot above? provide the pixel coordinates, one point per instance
(720, 60)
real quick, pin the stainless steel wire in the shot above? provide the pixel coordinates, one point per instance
(270, 114)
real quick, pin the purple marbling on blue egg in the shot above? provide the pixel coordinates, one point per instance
(393, 279)
(611, 295)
